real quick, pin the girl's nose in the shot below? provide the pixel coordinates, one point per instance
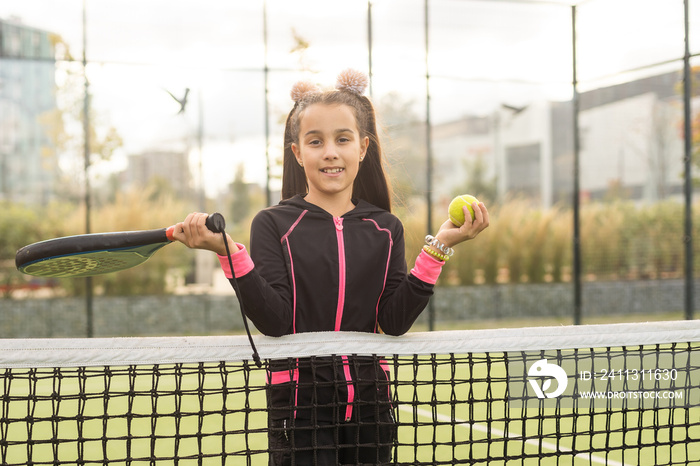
(331, 152)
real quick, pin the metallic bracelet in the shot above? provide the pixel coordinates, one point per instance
(430, 240)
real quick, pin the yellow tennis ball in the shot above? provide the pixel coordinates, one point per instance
(455, 210)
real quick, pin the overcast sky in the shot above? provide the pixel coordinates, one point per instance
(482, 54)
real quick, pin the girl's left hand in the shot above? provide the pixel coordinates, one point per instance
(450, 235)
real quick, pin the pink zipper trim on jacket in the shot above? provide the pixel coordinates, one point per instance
(285, 239)
(351, 388)
(339, 311)
(286, 376)
(386, 270)
(341, 272)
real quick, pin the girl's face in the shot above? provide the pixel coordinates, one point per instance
(330, 149)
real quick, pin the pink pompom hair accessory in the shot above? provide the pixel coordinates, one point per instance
(353, 81)
(302, 89)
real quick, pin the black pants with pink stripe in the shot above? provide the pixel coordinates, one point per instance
(305, 442)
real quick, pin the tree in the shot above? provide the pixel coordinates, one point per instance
(300, 48)
(64, 124)
(19, 226)
(477, 182)
(403, 142)
(695, 122)
(661, 143)
(695, 119)
(240, 205)
(137, 209)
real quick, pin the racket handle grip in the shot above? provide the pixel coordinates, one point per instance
(169, 233)
(216, 223)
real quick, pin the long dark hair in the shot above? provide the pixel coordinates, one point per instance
(371, 183)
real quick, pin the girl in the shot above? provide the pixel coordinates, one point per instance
(330, 257)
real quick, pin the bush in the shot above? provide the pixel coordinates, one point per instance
(522, 244)
(526, 244)
(137, 210)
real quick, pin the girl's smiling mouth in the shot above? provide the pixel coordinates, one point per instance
(332, 170)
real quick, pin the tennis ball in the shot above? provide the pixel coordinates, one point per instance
(455, 210)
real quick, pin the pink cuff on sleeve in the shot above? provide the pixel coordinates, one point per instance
(242, 263)
(427, 268)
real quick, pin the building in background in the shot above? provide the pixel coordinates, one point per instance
(631, 143)
(28, 163)
(631, 146)
(161, 169)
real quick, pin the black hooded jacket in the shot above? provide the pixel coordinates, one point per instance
(314, 272)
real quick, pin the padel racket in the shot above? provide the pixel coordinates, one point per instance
(97, 253)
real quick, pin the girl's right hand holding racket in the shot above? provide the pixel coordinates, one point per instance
(194, 234)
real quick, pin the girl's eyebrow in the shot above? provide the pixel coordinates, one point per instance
(337, 131)
(344, 130)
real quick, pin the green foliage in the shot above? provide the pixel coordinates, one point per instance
(694, 118)
(19, 226)
(560, 244)
(141, 210)
(524, 244)
(240, 204)
(138, 210)
(478, 182)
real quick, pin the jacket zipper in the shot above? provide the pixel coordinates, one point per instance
(339, 311)
(341, 271)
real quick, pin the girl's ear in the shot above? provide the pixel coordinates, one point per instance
(295, 150)
(363, 147)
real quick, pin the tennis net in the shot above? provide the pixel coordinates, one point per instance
(621, 394)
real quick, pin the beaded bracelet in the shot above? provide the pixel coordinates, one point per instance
(430, 240)
(436, 255)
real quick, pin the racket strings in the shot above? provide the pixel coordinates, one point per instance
(81, 265)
